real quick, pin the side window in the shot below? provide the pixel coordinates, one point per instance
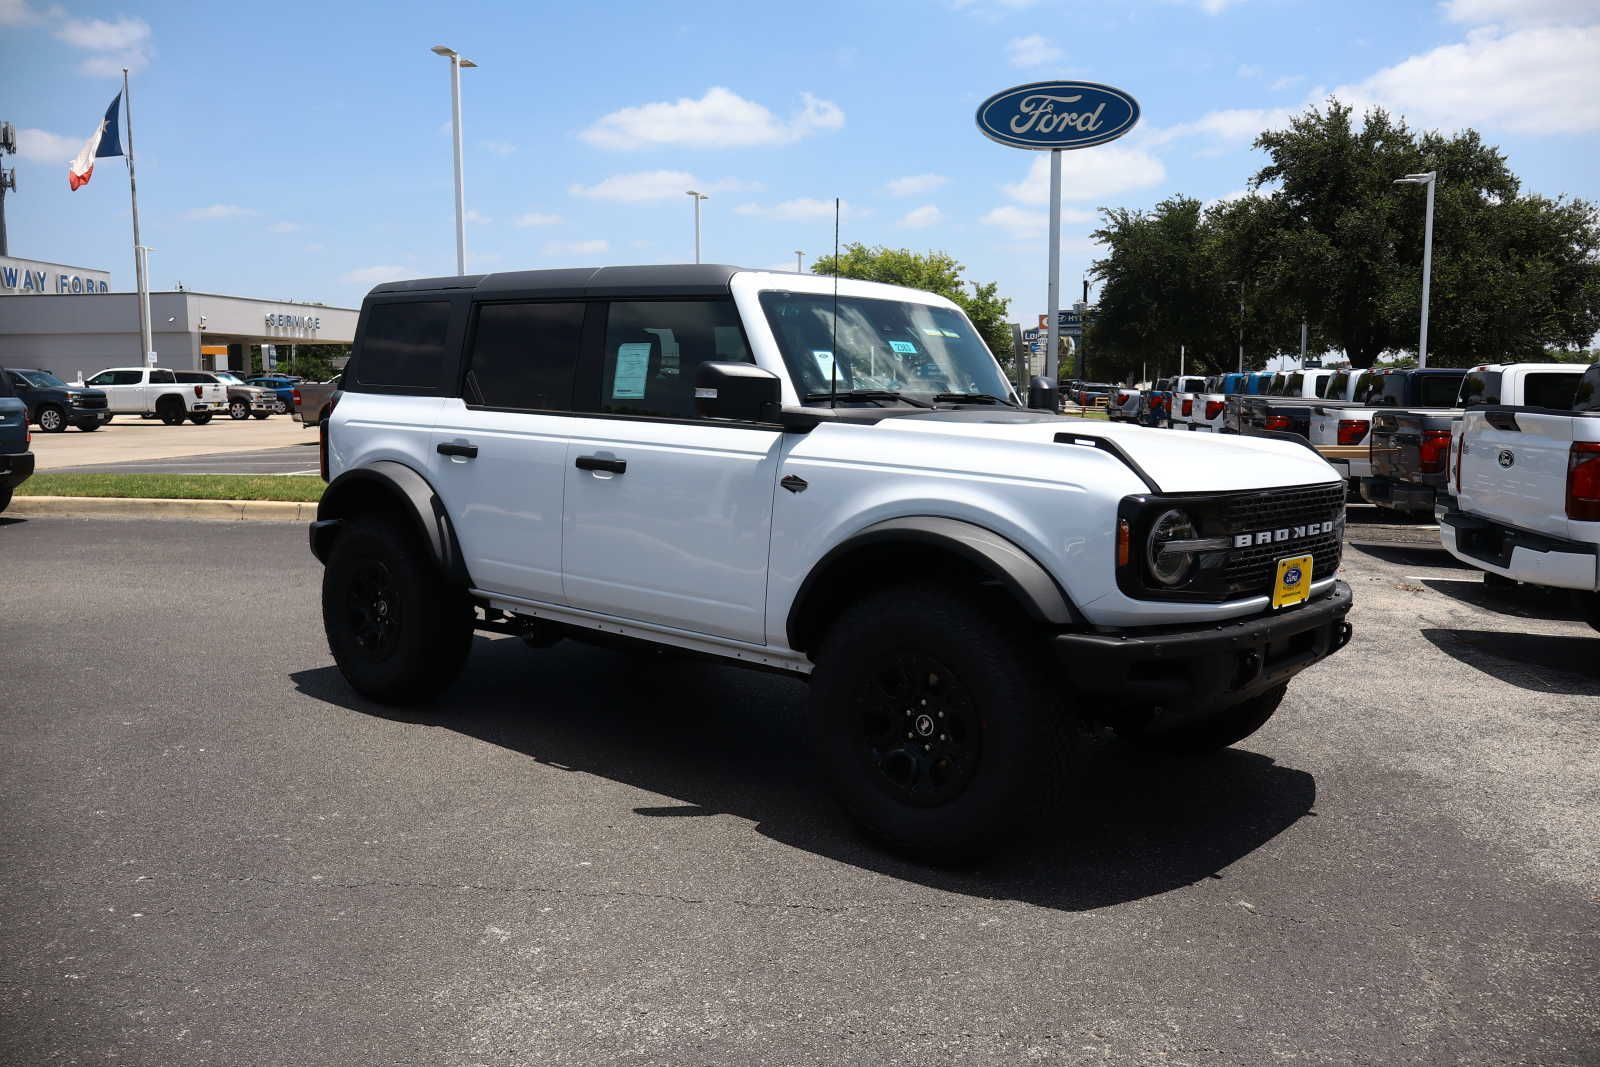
(162, 377)
(653, 348)
(402, 345)
(194, 377)
(1479, 387)
(524, 355)
(1437, 391)
(1549, 390)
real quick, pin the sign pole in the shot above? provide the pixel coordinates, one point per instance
(141, 274)
(1053, 336)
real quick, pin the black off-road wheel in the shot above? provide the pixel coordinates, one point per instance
(89, 427)
(261, 414)
(238, 410)
(1215, 731)
(398, 629)
(200, 418)
(5, 497)
(935, 725)
(52, 419)
(170, 411)
(1589, 606)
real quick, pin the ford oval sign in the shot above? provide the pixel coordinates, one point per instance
(1048, 115)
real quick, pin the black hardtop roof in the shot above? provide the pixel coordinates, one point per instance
(667, 279)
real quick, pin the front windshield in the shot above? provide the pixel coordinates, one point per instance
(43, 379)
(224, 376)
(916, 350)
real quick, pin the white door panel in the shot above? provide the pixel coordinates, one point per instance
(505, 502)
(680, 536)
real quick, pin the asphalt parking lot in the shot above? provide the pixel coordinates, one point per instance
(214, 853)
(139, 446)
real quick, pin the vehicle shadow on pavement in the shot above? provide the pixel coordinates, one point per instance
(1403, 555)
(1523, 602)
(726, 740)
(1544, 663)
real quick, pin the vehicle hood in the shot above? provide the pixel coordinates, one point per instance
(79, 394)
(1175, 460)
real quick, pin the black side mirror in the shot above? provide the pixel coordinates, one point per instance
(1042, 395)
(742, 392)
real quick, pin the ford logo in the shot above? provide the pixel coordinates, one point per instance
(1291, 577)
(1506, 458)
(1046, 115)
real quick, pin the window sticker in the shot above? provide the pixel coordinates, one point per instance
(905, 348)
(824, 360)
(633, 359)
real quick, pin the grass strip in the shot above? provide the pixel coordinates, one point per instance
(297, 487)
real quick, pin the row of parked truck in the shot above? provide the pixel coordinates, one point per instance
(1505, 456)
(173, 396)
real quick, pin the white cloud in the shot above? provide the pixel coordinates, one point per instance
(473, 215)
(1021, 223)
(1034, 50)
(1288, 81)
(537, 218)
(1520, 12)
(656, 185)
(1216, 7)
(576, 248)
(719, 119)
(373, 275)
(1248, 70)
(18, 13)
(915, 184)
(1232, 126)
(124, 42)
(801, 209)
(1537, 80)
(1226, 198)
(499, 148)
(1098, 174)
(921, 217)
(992, 7)
(42, 146)
(219, 211)
(286, 227)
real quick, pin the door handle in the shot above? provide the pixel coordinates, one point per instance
(602, 463)
(450, 448)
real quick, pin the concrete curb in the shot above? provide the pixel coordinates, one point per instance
(96, 507)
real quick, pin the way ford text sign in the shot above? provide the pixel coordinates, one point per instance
(1048, 115)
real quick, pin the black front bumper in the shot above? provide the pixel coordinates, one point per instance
(1198, 669)
(15, 468)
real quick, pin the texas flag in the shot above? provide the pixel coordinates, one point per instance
(103, 142)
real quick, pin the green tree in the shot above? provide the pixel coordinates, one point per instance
(936, 272)
(1511, 273)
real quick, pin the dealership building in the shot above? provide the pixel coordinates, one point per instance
(66, 320)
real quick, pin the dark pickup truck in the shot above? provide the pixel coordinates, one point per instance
(16, 459)
(54, 404)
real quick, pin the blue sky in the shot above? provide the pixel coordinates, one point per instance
(302, 151)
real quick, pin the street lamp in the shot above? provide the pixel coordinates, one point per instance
(697, 198)
(457, 61)
(1427, 258)
(799, 261)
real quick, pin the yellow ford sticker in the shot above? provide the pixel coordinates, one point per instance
(1293, 585)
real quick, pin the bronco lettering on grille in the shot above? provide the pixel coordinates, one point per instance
(1287, 533)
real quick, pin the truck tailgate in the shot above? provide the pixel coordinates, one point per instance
(1514, 468)
(1409, 445)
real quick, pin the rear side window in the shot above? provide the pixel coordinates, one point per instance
(1549, 390)
(654, 347)
(1587, 397)
(1369, 387)
(193, 377)
(1438, 392)
(1480, 387)
(524, 355)
(1292, 385)
(402, 345)
(1336, 386)
(162, 377)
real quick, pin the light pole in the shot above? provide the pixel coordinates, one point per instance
(1427, 258)
(799, 261)
(457, 61)
(697, 198)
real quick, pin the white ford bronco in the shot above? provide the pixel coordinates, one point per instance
(831, 479)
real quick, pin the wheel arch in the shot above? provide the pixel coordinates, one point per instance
(914, 542)
(389, 486)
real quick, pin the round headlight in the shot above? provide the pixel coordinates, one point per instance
(1167, 566)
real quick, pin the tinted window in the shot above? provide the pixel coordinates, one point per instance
(1369, 387)
(1587, 397)
(1480, 387)
(402, 345)
(5, 385)
(194, 377)
(653, 348)
(117, 377)
(1438, 392)
(1293, 385)
(1337, 385)
(1549, 390)
(523, 356)
(162, 377)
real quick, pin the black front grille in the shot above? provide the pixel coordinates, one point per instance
(1251, 571)
(90, 402)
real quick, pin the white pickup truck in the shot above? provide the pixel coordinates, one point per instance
(156, 392)
(1527, 494)
(827, 478)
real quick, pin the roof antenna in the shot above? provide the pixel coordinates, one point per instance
(833, 362)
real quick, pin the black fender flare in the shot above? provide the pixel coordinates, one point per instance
(1022, 576)
(410, 492)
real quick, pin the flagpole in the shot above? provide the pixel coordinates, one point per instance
(146, 343)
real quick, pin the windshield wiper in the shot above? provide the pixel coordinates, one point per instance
(971, 398)
(868, 394)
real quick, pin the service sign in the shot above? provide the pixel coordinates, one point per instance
(1049, 115)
